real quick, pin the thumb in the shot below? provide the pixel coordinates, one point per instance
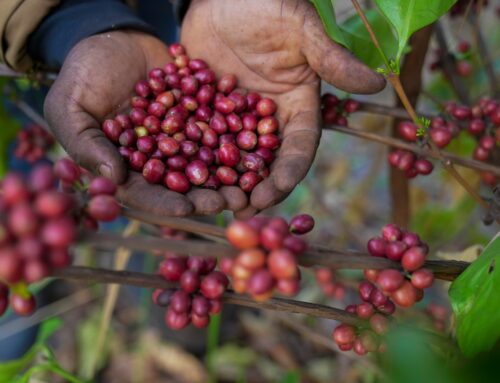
(80, 135)
(335, 64)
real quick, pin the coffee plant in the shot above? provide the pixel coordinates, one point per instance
(329, 282)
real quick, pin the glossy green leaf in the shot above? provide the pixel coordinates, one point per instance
(474, 298)
(409, 16)
(362, 45)
(326, 11)
(12, 368)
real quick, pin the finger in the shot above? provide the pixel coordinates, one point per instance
(139, 194)
(335, 64)
(206, 202)
(80, 135)
(266, 194)
(235, 198)
(246, 213)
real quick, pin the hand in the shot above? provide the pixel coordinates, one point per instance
(95, 83)
(279, 49)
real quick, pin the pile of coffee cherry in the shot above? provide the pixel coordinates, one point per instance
(199, 292)
(382, 290)
(32, 143)
(187, 128)
(269, 252)
(335, 110)
(38, 223)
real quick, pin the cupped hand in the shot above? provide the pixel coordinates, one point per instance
(279, 49)
(95, 83)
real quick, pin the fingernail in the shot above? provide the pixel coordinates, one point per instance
(105, 170)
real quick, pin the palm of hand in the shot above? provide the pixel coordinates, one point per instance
(279, 49)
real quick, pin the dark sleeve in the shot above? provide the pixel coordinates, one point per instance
(75, 20)
(181, 7)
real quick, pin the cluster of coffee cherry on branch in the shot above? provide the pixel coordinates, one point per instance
(186, 127)
(39, 222)
(335, 110)
(461, 59)
(481, 121)
(33, 143)
(383, 290)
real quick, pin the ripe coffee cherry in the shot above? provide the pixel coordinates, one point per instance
(242, 236)
(66, 170)
(214, 285)
(394, 250)
(34, 271)
(103, 208)
(268, 141)
(153, 171)
(227, 175)
(413, 258)
(282, 264)
(440, 136)
(390, 280)
(408, 131)
(58, 232)
(365, 289)
(391, 232)
(266, 107)
(22, 220)
(146, 144)
(294, 244)
(405, 296)
(234, 123)
(301, 224)
(253, 162)
(351, 106)
(102, 185)
(59, 258)
(22, 306)
(200, 321)
(229, 155)
(268, 125)
(487, 142)
(364, 310)
(40, 178)
(288, 287)
(423, 166)
(422, 278)
(272, 238)
(461, 112)
(411, 239)
(261, 282)
(377, 298)
(176, 321)
(376, 247)
(172, 268)
(164, 297)
(371, 274)
(112, 129)
(200, 306)
(387, 308)
(248, 181)
(197, 172)
(190, 281)
(10, 265)
(476, 127)
(481, 154)
(180, 302)
(344, 334)
(246, 140)
(227, 83)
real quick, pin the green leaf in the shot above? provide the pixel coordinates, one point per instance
(12, 368)
(360, 42)
(326, 11)
(47, 329)
(409, 16)
(474, 299)
(291, 377)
